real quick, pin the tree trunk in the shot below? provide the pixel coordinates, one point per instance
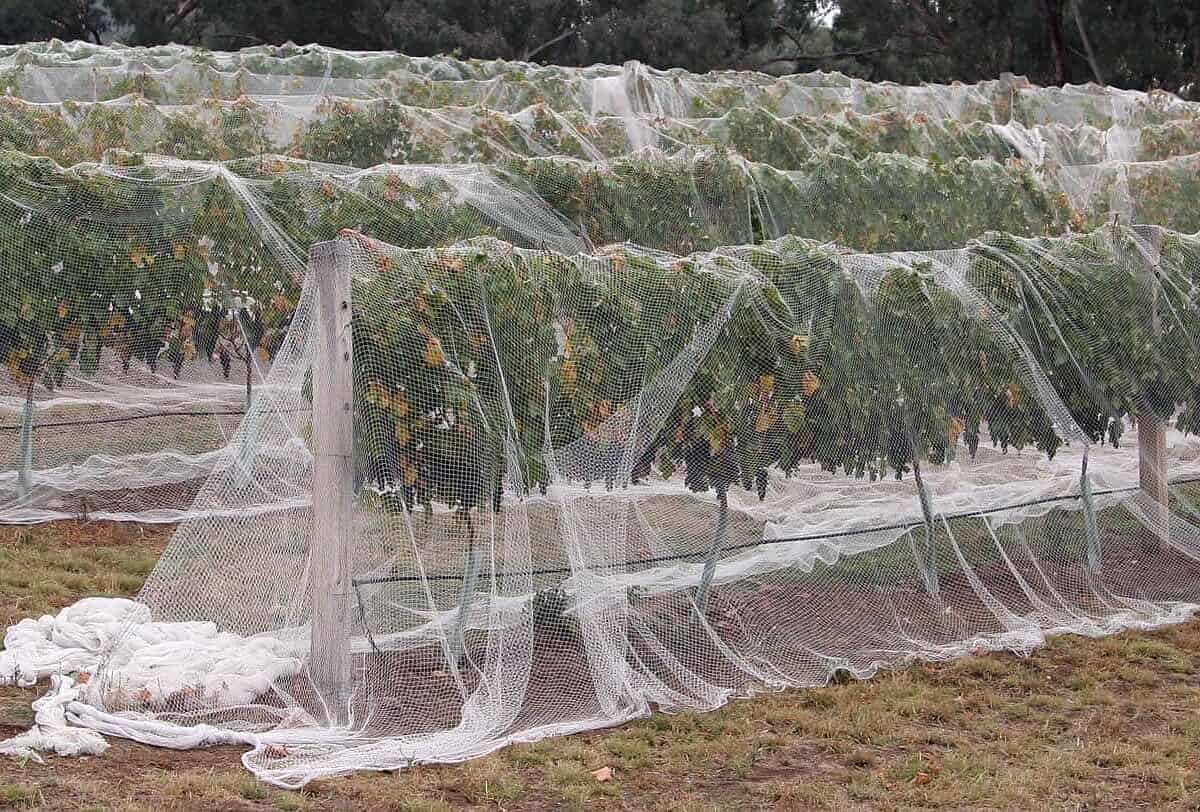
(1091, 527)
(1052, 9)
(1087, 43)
(714, 552)
(458, 641)
(25, 475)
(1152, 475)
(929, 571)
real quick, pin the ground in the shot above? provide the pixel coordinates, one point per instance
(1088, 724)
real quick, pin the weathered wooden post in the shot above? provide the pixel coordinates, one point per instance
(1151, 428)
(333, 478)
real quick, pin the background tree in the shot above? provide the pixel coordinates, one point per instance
(1134, 43)
(26, 20)
(1128, 43)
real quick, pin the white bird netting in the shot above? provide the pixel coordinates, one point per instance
(654, 390)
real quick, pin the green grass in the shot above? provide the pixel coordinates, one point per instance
(1083, 723)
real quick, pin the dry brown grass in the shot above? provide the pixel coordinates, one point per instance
(1082, 724)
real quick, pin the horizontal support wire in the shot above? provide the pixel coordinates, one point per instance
(100, 421)
(386, 579)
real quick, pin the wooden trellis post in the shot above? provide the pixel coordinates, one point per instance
(1152, 429)
(333, 478)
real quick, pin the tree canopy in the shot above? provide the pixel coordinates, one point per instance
(1128, 43)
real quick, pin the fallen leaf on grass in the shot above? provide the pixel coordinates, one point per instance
(921, 778)
(603, 774)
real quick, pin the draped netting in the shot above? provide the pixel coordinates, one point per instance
(497, 401)
(125, 385)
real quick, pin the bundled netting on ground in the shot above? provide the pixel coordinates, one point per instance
(496, 401)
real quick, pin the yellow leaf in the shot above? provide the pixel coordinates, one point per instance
(764, 421)
(63, 309)
(402, 435)
(568, 375)
(376, 393)
(410, 475)
(399, 404)
(14, 368)
(435, 356)
(263, 355)
(716, 440)
(810, 384)
(180, 251)
(141, 256)
(957, 426)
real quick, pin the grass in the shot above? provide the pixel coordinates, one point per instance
(1081, 724)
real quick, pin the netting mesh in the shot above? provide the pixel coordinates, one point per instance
(579, 486)
(607, 390)
(364, 133)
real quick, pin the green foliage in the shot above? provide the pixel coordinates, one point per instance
(1122, 305)
(366, 133)
(203, 282)
(724, 365)
(153, 291)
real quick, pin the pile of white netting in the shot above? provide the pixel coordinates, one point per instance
(495, 401)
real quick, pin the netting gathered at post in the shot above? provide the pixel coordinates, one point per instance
(495, 401)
